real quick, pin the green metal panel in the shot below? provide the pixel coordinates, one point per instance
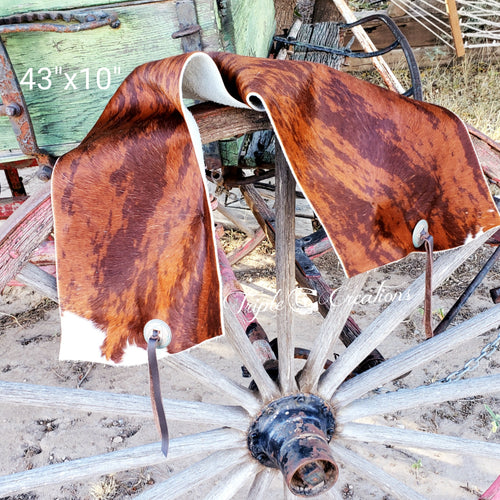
(67, 78)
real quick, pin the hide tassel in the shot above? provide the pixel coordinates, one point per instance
(157, 334)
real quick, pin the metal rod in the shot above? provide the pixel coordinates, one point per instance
(445, 323)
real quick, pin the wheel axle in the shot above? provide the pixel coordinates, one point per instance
(292, 434)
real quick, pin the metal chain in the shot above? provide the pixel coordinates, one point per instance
(473, 363)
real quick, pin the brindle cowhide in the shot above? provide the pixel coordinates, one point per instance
(133, 225)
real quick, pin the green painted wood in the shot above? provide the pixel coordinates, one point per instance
(9, 7)
(63, 115)
(53, 64)
(253, 26)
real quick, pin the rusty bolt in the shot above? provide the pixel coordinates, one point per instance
(44, 173)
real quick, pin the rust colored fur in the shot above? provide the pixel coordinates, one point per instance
(133, 231)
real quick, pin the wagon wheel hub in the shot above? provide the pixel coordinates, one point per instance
(292, 434)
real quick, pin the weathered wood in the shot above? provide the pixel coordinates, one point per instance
(284, 10)
(262, 483)
(9, 205)
(375, 474)
(39, 280)
(72, 77)
(204, 470)
(129, 458)
(244, 348)
(418, 355)
(387, 75)
(210, 377)
(438, 55)
(324, 11)
(330, 331)
(23, 231)
(324, 34)
(416, 439)
(416, 34)
(285, 269)
(396, 312)
(125, 404)
(451, 7)
(489, 157)
(403, 399)
(222, 122)
(230, 485)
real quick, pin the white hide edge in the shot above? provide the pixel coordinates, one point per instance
(81, 339)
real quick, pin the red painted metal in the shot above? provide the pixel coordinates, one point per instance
(493, 492)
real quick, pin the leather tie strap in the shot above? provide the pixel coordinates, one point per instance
(155, 392)
(429, 247)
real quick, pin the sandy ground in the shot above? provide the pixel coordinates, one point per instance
(33, 436)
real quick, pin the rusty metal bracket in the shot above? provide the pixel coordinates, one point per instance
(78, 21)
(14, 106)
(189, 29)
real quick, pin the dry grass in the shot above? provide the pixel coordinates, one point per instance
(468, 87)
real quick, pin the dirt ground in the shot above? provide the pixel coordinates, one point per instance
(33, 437)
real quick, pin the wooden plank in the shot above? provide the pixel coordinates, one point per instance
(252, 26)
(53, 102)
(285, 269)
(9, 205)
(451, 7)
(7, 7)
(128, 458)
(416, 34)
(418, 355)
(124, 404)
(39, 280)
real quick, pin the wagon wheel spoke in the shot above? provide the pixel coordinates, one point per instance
(285, 269)
(404, 399)
(124, 404)
(452, 338)
(129, 458)
(417, 439)
(196, 474)
(261, 483)
(243, 347)
(375, 474)
(209, 376)
(329, 332)
(234, 481)
(391, 317)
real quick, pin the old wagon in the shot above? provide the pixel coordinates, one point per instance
(296, 421)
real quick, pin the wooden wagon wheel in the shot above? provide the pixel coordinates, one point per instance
(332, 404)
